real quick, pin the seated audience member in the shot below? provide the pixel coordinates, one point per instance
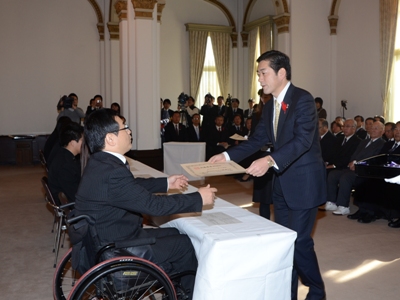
(209, 111)
(166, 112)
(247, 130)
(95, 104)
(321, 111)
(368, 124)
(221, 106)
(194, 131)
(248, 112)
(115, 106)
(327, 141)
(216, 138)
(379, 118)
(110, 194)
(65, 169)
(344, 147)
(190, 110)
(341, 182)
(389, 131)
(54, 138)
(174, 130)
(360, 131)
(336, 128)
(236, 128)
(377, 199)
(74, 114)
(232, 111)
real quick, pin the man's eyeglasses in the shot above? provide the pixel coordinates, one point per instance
(126, 127)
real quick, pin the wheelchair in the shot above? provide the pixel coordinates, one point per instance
(87, 273)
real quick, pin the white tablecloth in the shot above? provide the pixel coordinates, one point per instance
(248, 257)
(177, 153)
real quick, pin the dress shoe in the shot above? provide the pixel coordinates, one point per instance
(394, 224)
(357, 215)
(366, 218)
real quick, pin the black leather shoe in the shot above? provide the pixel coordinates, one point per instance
(367, 218)
(394, 224)
(358, 214)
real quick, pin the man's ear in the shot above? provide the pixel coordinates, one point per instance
(110, 139)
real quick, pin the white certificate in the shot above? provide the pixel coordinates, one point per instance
(204, 169)
(238, 137)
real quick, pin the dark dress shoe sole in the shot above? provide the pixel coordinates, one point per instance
(366, 219)
(394, 224)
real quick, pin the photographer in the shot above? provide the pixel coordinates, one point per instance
(209, 111)
(95, 103)
(74, 114)
(189, 110)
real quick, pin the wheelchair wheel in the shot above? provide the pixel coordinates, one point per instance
(124, 278)
(64, 277)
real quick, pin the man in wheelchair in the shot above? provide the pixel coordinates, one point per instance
(115, 200)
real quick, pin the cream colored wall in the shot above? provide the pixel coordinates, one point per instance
(48, 48)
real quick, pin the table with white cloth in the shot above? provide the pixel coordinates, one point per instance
(241, 255)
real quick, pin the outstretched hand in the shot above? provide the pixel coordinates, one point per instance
(207, 194)
(177, 182)
(217, 158)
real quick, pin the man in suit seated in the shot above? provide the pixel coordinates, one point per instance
(236, 128)
(360, 131)
(111, 195)
(344, 147)
(65, 169)
(341, 182)
(327, 140)
(389, 131)
(336, 128)
(174, 130)
(216, 138)
(232, 111)
(375, 198)
(194, 131)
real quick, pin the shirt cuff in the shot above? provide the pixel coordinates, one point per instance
(227, 158)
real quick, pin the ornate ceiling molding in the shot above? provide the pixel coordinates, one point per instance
(282, 22)
(100, 22)
(230, 18)
(121, 7)
(160, 7)
(144, 8)
(334, 16)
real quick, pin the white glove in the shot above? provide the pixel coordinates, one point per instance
(395, 180)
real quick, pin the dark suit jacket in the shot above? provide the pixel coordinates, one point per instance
(221, 112)
(361, 133)
(64, 175)
(209, 113)
(388, 146)
(246, 113)
(170, 134)
(343, 154)
(297, 152)
(115, 199)
(372, 150)
(170, 113)
(328, 146)
(233, 130)
(192, 136)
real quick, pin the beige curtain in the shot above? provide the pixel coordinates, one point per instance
(388, 20)
(197, 48)
(265, 38)
(252, 44)
(221, 49)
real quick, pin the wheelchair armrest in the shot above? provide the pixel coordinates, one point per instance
(89, 219)
(67, 205)
(135, 243)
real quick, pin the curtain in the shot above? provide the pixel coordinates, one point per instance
(388, 20)
(265, 38)
(221, 49)
(197, 48)
(252, 44)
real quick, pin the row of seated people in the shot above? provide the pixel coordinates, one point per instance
(217, 137)
(340, 154)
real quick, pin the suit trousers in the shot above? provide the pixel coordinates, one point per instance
(305, 263)
(175, 253)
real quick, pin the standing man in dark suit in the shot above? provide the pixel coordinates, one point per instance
(290, 123)
(327, 141)
(110, 194)
(232, 111)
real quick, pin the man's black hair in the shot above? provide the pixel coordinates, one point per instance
(319, 100)
(277, 60)
(98, 124)
(70, 132)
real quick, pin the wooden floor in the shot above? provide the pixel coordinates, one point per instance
(357, 261)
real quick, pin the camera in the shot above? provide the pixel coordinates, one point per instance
(344, 104)
(182, 100)
(228, 102)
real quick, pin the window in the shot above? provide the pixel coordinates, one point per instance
(394, 102)
(255, 86)
(209, 80)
